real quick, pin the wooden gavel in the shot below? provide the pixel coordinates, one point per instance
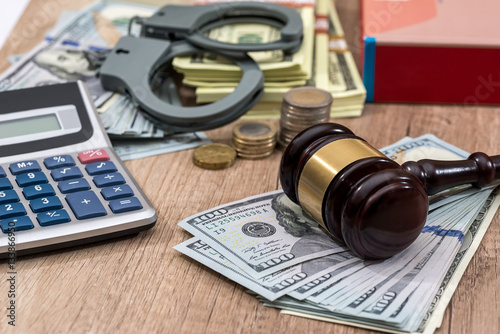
(364, 199)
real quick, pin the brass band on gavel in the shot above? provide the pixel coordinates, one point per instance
(322, 167)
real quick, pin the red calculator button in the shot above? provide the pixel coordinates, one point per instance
(93, 156)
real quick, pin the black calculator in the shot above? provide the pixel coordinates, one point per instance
(61, 183)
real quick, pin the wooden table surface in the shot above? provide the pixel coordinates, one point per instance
(142, 285)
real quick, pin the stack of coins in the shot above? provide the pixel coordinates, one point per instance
(302, 108)
(254, 140)
(214, 156)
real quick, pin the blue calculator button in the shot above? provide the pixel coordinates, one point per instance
(38, 190)
(11, 210)
(8, 196)
(85, 204)
(117, 191)
(24, 167)
(107, 180)
(2, 172)
(45, 204)
(66, 173)
(28, 179)
(125, 204)
(59, 161)
(5, 184)
(101, 167)
(18, 223)
(72, 186)
(53, 217)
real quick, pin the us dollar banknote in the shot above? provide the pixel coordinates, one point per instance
(272, 286)
(262, 234)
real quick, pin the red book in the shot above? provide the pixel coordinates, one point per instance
(431, 51)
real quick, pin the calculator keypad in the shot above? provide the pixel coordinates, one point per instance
(63, 187)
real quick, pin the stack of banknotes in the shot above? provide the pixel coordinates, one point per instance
(73, 50)
(269, 245)
(323, 61)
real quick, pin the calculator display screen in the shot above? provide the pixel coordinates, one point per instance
(28, 126)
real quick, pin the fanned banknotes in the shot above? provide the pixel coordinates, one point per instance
(255, 240)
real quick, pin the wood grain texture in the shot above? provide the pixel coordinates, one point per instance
(142, 285)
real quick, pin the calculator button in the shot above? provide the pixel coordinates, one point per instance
(39, 190)
(53, 217)
(66, 173)
(28, 179)
(72, 186)
(125, 204)
(45, 204)
(8, 196)
(100, 167)
(24, 167)
(85, 204)
(18, 223)
(2, 172)
(5, 184)
(117, 191)
(107, 180)
(88, 157)
(59, 161)
(11, 210)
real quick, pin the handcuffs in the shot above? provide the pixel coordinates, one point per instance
(179, 30)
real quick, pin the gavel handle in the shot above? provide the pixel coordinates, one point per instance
(479, 169)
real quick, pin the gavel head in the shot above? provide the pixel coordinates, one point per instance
(357, 194)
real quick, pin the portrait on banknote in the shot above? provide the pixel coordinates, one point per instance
(72, 65)
(298, 223)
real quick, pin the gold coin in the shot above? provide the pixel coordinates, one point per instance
(214, 156)
(254, 131)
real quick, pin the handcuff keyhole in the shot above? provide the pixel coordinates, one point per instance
(120, 51)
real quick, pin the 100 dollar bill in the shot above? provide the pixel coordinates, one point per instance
(272, 286)
(262, 234)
